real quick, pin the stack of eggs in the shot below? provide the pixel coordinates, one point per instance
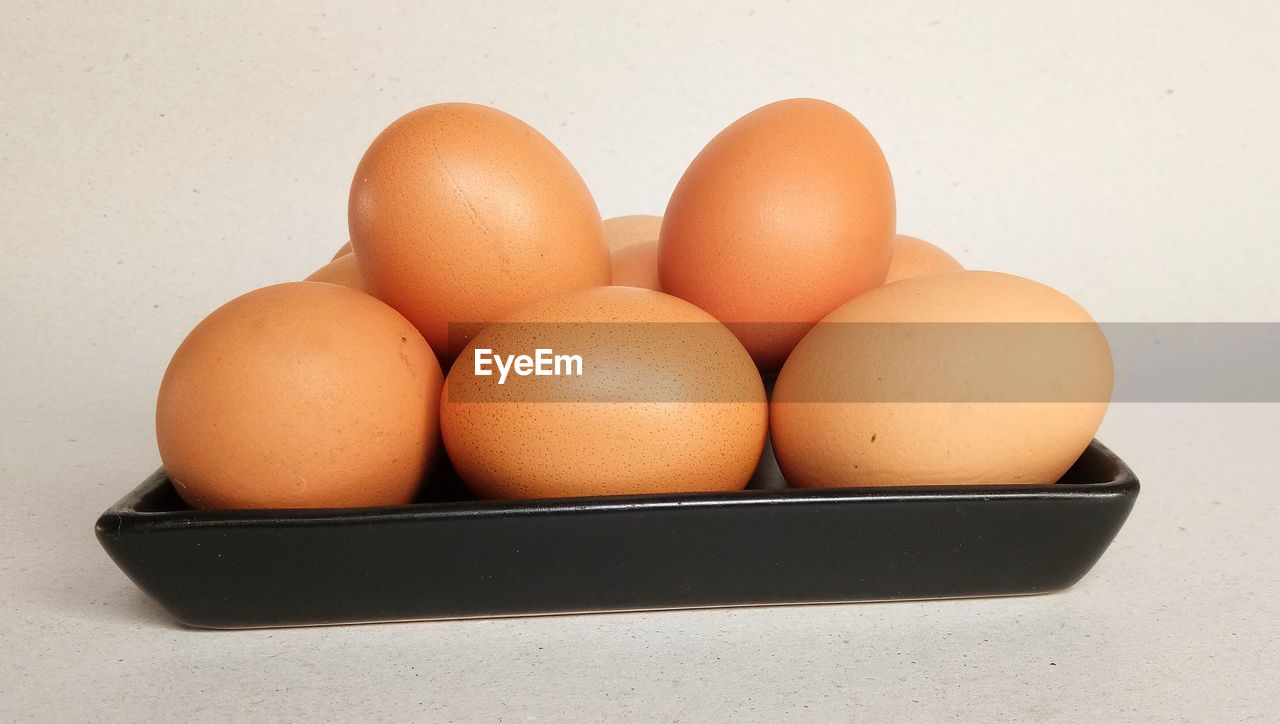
(484, 312)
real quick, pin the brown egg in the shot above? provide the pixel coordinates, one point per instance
(785, 215)
(961, 378)
(621, 232)
(343, 250)
(299, 395)
(667, 401)
(460, 214)
(914, 257)
(636, 266)
(343, 270)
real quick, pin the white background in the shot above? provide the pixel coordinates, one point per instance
(157, 160)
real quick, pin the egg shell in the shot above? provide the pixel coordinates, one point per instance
(621, 232)
(668, 402)
(342, 270)
(785, 215)
(300, 395)
(914, 257)
(342, 250)
(461, 213)
(961, 378)
(637, 266)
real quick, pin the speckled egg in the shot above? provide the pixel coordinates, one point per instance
(299, 395)
(785, 215)
(666, 401)
(460, 213)
(944, 379)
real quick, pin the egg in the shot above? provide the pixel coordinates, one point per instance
(342, 270)
(666, 401)
(914, 257)
(785, 215)
(299, 395)
(621, 232)
(636, 266)
(343, 250)
(460, 214)
(946, 379)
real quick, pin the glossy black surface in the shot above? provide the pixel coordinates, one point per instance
(451, 556)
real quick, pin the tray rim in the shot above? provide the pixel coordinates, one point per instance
(125, 512)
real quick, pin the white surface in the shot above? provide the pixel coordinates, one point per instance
(158, 160)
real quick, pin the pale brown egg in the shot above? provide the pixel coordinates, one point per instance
(621, 232)
(914, 257)
(461, 213)
(343, 250)
(342, 270)
(667, 401)
(961, 378)
(785, 215)
(300, 395)
(636, 266)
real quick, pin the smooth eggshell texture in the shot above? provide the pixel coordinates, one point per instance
(636, 266)
(962, 378)
(668, 402)
(343, 250)
(300, 395)
(914, 257)
(342, 270)
(461, 213)
(785, 215)
(621, 232)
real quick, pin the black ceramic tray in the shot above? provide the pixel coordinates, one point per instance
(448, 556)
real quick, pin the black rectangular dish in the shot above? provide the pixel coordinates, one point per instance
(449, 556)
